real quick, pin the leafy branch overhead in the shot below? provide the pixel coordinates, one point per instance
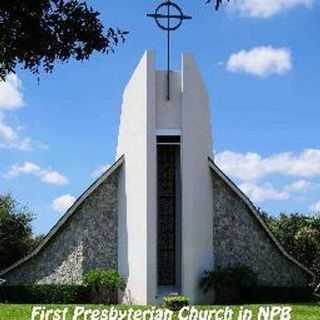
(36, 34)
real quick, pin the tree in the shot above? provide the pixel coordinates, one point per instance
(300, 236)
(16, 239)
(37, 34)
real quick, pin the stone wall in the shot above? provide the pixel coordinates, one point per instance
(87, 240)
(240, 239)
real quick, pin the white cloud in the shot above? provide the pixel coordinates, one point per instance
(53, 177)
(46, 176)
(10, 93)
(315, 207)
(26, 168)
(252, 166)
(261, 61)
(11, 98)
(298, 186)
(264, 192)
(10, 138)
(100, 170)
(63, 203)
(266, 8)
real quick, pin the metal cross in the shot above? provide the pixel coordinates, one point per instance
(171, 12)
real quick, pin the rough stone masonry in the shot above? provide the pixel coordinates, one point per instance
(88, 239)
(240, 239)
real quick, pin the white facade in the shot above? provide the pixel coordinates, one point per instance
(146, 114)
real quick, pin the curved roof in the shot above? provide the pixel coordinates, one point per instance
(70, 212)
(114, 167)
(257, 215)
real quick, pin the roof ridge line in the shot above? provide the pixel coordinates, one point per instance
(69, 213)
(256, 214)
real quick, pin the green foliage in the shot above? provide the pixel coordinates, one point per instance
(36, 34)
(300, 236)
(100, 278)
(44, 294)
(240, 286)
(261, 294)
(100, 286)
(22, 312)
(229, 277)
(16, 239)
(36, 241)
(175, 302)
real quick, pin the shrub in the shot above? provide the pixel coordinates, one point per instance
(104, 285)
(230, 277)
(44, 294)
(227, 283)
(262, 294)
(100, 287)
(100, 278)
(240, 285)
(175, 302)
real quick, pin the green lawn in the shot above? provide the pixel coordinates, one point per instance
(23, 312)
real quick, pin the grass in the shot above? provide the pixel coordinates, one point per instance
(299, 311)
(23, 312)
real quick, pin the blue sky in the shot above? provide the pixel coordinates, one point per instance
(260, 61)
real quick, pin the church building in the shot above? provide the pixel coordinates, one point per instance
(164, 212)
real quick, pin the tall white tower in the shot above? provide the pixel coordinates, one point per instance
(165, 195)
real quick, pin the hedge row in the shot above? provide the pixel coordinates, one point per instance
(73, 294)
(45, 294)
(262, 295)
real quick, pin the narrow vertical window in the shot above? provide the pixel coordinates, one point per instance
(168, 158)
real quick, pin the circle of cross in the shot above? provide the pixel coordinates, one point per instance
(163, 12)
(168, 11)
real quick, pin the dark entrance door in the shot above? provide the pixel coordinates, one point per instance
(167, 218)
